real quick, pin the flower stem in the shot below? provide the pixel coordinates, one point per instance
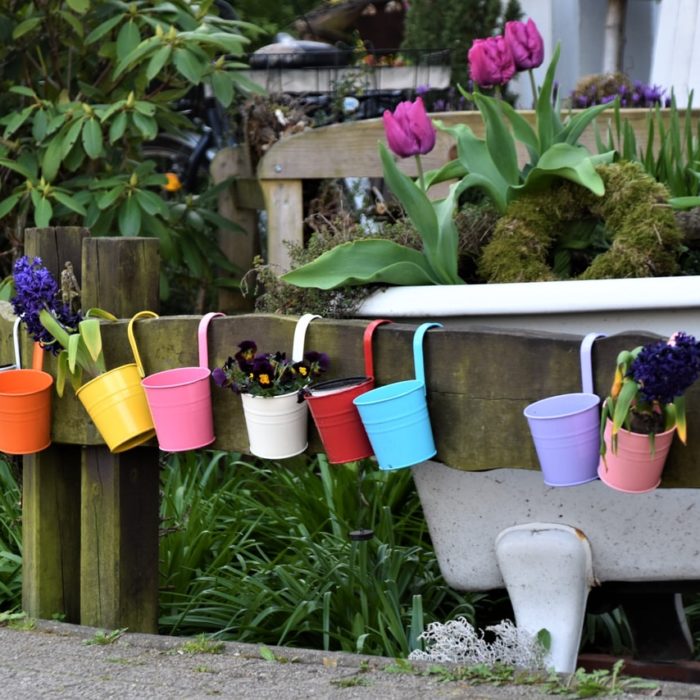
(421, 177)
(533, 85)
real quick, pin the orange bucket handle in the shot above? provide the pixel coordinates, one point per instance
(132, 339)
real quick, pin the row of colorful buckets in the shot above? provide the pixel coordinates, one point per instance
(355, 420)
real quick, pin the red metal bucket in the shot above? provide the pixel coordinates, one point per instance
(337, 419)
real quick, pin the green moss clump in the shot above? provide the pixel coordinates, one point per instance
(646, 241)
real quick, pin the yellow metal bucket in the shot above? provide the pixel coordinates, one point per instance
(116, 401)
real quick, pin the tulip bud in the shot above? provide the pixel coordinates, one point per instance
(525, 43)
(491, 62)
(409, 130)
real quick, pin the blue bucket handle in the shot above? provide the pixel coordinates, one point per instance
(418, 361)
(586, 363)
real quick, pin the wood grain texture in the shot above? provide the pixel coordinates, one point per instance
(478, 381)
(285, 214)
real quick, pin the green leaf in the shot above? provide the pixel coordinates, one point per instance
(111, 196)
(73, 346)
(129, 218)
(69, 202)
(147, 126)
(102, 29)
(684, 202)
(71, 20)
(71, 136)
(151, 203)
(40, 124)
(128, 39)
(142, 50)
(27, 26)
(222, 83)
(96, 312)
(544, 637)
(22, 90)
(79, 6)
(622, 404)
(565, 161)
(416, 203)
(61, 372)
(681, 422)
(578, 123)
(498, 139)
(9, 203)
(117, 127)
(546, 118)
(92, 138)
(17, 120)
(91, 337)
(158, 60)
(146, 108)
(51, 161)
(363, 262)
(43, 211)
(267, 654)
(189, 65)
(454, 170)
(17, 167)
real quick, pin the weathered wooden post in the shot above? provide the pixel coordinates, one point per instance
(119, 504)
(51, 480)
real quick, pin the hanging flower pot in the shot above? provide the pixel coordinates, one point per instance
(275, 412)
(336, 417)
(180, 400)
(566, 429)
(634, 466)
(396, 417)
(116, 401)
(25, 404)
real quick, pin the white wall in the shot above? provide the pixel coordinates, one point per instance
(579, 25)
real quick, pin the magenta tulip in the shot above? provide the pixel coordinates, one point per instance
(525, 43)
(409, 130)
(491, 62)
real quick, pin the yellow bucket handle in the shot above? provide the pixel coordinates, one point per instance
(132, 340)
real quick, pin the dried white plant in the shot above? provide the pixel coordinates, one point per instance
(457, 641)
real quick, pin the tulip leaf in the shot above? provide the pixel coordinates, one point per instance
(498, 139)
(419, 208)
(622, 405)
(577, 124)
(73, 347)
(364, 262)
(523, 131)
(546, 116)
(454, 170)
(95, 312)
(564, 161)
(448, 236)
(681, 423)
(61, 371)
(91, 336)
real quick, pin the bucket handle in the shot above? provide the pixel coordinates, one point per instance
(132, 340)
(367, 345)
(300, 335)
(202, 337)
(37, 349)
(586, 363)
(418, 360)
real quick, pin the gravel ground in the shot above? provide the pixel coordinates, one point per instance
(58, 660)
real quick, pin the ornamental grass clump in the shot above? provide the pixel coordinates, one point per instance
(647, 395)
(268, 374)
(52, 321)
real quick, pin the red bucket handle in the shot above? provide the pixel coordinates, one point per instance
(202, 337)
(367, 343)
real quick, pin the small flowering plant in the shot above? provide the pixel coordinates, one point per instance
(268, 374)
(71, 335)
(647, 392)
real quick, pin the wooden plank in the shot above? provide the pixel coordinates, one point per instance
(120, 275)
(119, 514)
(479, 381)
(119, 544)
(350, 149)
(51, 533)
(285, 214)
(51, 479)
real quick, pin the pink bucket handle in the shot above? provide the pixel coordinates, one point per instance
(367, 344)
(202, 338)
(300, 336)
(586, 363)
(132, 339)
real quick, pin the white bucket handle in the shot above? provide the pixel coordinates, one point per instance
(300, 335)
(202, 337)
(586, 363)
(15, 342)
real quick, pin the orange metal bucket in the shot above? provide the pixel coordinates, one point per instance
(25, 404)
(116, 401)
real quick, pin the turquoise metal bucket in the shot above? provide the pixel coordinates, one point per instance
(396, 417)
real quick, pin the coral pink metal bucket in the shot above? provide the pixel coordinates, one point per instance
(337, 418)
(633, 468)
(180, 401)
(566, 429)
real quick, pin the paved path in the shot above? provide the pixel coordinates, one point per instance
(56, 660)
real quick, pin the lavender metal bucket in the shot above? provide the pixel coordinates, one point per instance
(566, 429)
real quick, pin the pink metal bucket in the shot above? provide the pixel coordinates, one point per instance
(180, 401)
(336, 417)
